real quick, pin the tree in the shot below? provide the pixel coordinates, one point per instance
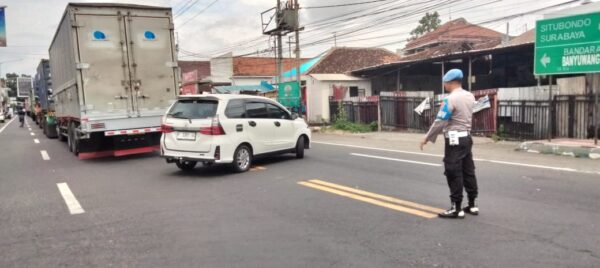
(428, 23)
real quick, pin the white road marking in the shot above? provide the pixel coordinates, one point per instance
(36, 141)
(2, 129)
(45, 155)
(397, 160)
(70, 200)
(475, 159)
(29, 129)
(32, 134)
(377, 149)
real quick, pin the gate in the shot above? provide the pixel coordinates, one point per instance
(572, 116)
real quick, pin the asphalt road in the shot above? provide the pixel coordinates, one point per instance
(140, 212)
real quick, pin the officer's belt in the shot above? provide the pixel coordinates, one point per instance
(460, 134)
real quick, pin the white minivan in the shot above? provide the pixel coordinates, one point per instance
(231, 129)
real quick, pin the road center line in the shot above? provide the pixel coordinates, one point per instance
(2, 129)
(36, 141)
(45, 155)
(368, 200)
(397, 160)
(32, 134)
(69, 197)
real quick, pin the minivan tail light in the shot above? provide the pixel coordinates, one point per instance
(215, 128)
(166, 128)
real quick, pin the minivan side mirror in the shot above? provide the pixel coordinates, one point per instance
(295, 116)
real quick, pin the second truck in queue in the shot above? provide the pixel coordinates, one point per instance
(114, 73)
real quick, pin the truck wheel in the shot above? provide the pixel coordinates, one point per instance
(73, 140)
(300, 148)
(186, 165)
(242, 159)
(61, 137)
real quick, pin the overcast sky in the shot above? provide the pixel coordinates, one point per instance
(235, 25)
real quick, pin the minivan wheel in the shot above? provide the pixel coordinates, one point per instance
(186, 165)
(300, 148)
(242, 159)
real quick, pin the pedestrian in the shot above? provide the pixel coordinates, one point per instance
(21, 112)
(454, 119)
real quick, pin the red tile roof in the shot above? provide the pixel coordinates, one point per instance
(341, 60)
(260, 66)
(456, 30)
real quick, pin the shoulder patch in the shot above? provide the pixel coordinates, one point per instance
(444, 113)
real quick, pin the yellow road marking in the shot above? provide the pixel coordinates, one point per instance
(256, 168)
(369, 200)
(378, 196)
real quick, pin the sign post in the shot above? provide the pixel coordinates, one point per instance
(569, 45)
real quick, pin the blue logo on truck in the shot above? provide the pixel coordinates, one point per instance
(149, 35)
(98, 35)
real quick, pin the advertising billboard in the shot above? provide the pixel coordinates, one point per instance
(24, 87)
(2, 28)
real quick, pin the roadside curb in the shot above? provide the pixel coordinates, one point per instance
(558, 149)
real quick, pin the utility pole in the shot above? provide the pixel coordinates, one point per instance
(298, 74)
(279, 18)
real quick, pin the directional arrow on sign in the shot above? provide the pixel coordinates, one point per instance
(545, 60)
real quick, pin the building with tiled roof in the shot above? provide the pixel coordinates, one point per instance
(455, 36)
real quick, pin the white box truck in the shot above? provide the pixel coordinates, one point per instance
(114, 73)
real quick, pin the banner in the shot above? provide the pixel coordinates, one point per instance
(24, 87)
(289, 94)
(423, 106)
(2, 28)
(481, 104)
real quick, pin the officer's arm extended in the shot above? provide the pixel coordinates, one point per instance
(441, 121)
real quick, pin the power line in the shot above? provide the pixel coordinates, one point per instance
(182, 8)
(197, 14)
(345, 5)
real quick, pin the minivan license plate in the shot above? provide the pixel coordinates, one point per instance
(190, 136)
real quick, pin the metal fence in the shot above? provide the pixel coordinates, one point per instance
(357, 111)
(522, 119)
(566, 116)
(398, 113)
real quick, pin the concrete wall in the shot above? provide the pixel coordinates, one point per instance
(318, 96)
(221, 69)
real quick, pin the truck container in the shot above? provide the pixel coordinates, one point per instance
(114, 73)
(44, 114)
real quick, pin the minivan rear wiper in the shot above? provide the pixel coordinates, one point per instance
(179, 116)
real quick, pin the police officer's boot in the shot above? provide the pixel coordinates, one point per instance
(472, 207)
(454, 212)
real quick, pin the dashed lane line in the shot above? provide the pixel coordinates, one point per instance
(397, 159)
(32, 134)
(45, 155)
(72, 203)
(36, 141)
(6, 125)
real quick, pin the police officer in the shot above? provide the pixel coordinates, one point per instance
(454, 120)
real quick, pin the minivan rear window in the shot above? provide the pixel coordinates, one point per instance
(194, 109)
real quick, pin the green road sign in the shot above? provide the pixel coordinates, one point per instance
(568, 45)
(289, 94)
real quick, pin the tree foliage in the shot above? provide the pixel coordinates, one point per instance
(428, 23)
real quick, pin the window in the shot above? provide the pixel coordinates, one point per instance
(277, 113)
(257, 110)
(194, 109)
(353, 91)
(235, 109)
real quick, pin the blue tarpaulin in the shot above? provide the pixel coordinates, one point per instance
(303, 68)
